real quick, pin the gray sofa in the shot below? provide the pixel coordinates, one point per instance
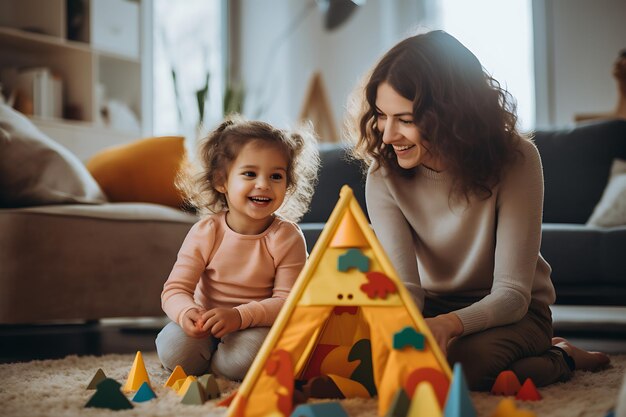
(86, 262)
(65, 252)
(72, 261)
(588, 262)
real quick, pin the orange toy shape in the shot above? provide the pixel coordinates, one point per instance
(506, 384)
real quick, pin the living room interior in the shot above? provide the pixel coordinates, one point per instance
(109, 95)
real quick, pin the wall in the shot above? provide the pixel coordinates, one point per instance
(276, 69)
(576, 43)
(582, 39)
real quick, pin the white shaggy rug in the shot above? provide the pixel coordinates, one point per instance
(57, 388)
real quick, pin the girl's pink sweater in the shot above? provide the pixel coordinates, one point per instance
(217, 267)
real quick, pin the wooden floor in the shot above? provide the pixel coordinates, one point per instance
(602, 329)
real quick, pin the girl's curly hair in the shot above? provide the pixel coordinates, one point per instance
(465, 115)
(198, 180)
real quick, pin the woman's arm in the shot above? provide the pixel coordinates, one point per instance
(518, 238)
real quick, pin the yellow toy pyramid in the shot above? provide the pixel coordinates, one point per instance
(348, 306)
(177, 373)
(137, 375)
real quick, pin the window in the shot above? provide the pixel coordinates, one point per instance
(500, 34)
(188, 45)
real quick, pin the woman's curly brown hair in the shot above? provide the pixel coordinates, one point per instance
(465, 115)
(198, 180)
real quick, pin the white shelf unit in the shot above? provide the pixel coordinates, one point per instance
(34, 33)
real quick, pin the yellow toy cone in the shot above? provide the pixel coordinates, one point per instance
(424, 403)
(188, 381)
(348, 234)
(177, 373)
(176, 386)
(138, 374)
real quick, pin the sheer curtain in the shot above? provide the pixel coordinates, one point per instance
(188, 50)
(500, 34)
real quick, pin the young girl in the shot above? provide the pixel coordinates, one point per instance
(238, 264)
(455, 196)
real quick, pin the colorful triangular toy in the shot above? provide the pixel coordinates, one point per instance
(508, 408)
(506, 384)
(97, 378)
(186, 384)
(137, 375)
(209, 384)
(330, 409)
(424, 402)
(108, 395)
(528, 391)
(144, 393)
(177, 373)
(194, 394)
(381, 307)
(459, 403)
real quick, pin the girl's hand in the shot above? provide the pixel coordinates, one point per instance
(221, 321)
(444, 328)
(192, 323)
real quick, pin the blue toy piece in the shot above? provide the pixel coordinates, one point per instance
(332, 409)
(459, 403)
(353, 258)
(408, 337)
(144, 393)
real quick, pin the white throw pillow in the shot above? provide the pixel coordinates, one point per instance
(611, 210)
(35, 170)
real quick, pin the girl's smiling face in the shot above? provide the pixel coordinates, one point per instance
(395, 121)
(255, 187)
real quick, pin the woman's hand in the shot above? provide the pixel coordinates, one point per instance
(192, 323)
(444, 328)
(221, 321)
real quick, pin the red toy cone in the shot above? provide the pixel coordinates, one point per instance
(506, 384)
(528, 391)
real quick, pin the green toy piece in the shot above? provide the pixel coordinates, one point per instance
(209, 384)
(97, 378)
(353, 258)
(194, 394)
(330, 409)
(144, 393)
(364, 372)
(399, 405)
(108, 395)
(408, 337)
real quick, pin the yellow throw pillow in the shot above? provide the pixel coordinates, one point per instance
(142, 171)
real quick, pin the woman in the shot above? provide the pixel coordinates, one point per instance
(455, 196)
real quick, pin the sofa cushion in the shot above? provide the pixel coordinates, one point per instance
(576, 164)
(87, 261)
(584, 255)
(36, 170)
(337, 169)
(611, 210)
(141, 171)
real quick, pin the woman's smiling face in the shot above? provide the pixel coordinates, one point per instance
(395, 121)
